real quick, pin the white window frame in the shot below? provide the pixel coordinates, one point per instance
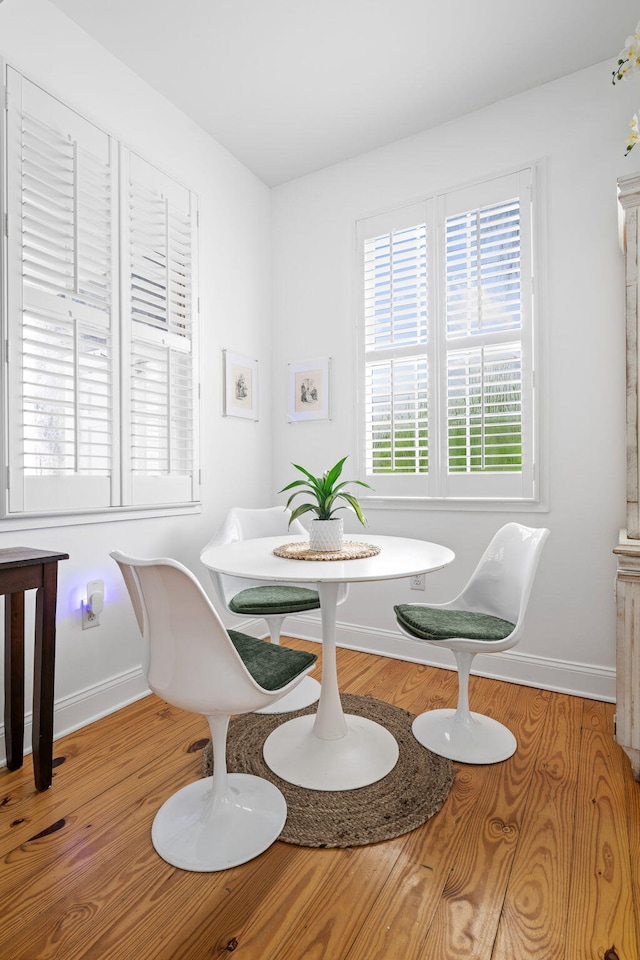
(438, 489)
(157, 495)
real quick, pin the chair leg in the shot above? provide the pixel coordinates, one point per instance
(275, 627)
(460, 734)
(463, 662)
(220, 821)
(219, 726)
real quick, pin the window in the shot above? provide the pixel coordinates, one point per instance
(447, 345)
(158, 297)
(101, 358)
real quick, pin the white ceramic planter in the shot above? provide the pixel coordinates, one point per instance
(326, 535)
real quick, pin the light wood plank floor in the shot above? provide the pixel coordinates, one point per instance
(537, 857)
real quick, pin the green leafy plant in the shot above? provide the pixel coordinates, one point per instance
(323, 492)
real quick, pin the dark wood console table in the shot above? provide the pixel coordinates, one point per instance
(22, 568)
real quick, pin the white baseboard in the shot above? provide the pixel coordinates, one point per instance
(579, 679)
(79, 709)
(561, 676)
(92, 703)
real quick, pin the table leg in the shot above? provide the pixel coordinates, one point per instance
(43, 677)
(14, 678)
(330, 751)
(330, 723)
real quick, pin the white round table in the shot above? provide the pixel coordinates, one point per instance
(329, 750)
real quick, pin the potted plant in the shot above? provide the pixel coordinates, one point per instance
(325, 532)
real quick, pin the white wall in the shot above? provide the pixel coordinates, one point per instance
(579, 124)
(99, 668)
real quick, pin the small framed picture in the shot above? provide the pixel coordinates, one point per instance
(309, 390)
(240, 376)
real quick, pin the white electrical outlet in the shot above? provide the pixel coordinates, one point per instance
(92, 606)
(89, 619)
(417, 582)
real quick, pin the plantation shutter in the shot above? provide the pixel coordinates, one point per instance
(160, 389)
(61, 213)
(396, 340)
(446, 345)
(487, 369)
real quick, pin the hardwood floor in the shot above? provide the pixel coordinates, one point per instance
(537, 857)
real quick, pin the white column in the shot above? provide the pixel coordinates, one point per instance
(627, 732)
(628, 549)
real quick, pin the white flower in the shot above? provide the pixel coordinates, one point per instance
(629, 57)
(628, 60)
(634, 136)
(628, 63)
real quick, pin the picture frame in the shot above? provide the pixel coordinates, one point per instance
(310, 390)
(240, 392)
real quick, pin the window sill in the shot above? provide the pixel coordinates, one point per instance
(453, 504)
(39, 522)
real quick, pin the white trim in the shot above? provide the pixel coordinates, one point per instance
(4, 292)
(36, 522)
(562, 676)
(447, 187)
(253, 627)
(531, 181)
(541, 364)
(99, 700)
(529, 670)
(83, 707)
(450, 503)
(78, 498)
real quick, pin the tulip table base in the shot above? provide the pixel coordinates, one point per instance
(365, 754)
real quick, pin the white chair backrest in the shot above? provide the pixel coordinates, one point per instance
(249, 524)
(192, 662)
(501, 583)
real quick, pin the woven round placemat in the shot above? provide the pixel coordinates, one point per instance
(406, 798)
(351, 550)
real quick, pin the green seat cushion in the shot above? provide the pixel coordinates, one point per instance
(264, 601)
(270, 665)
(430, 623)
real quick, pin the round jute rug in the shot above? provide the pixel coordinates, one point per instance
(415, 789)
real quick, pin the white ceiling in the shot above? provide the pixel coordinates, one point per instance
(290, 86)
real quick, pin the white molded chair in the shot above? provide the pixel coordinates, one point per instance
(195, 664)
(487, 617)
(267, 601)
